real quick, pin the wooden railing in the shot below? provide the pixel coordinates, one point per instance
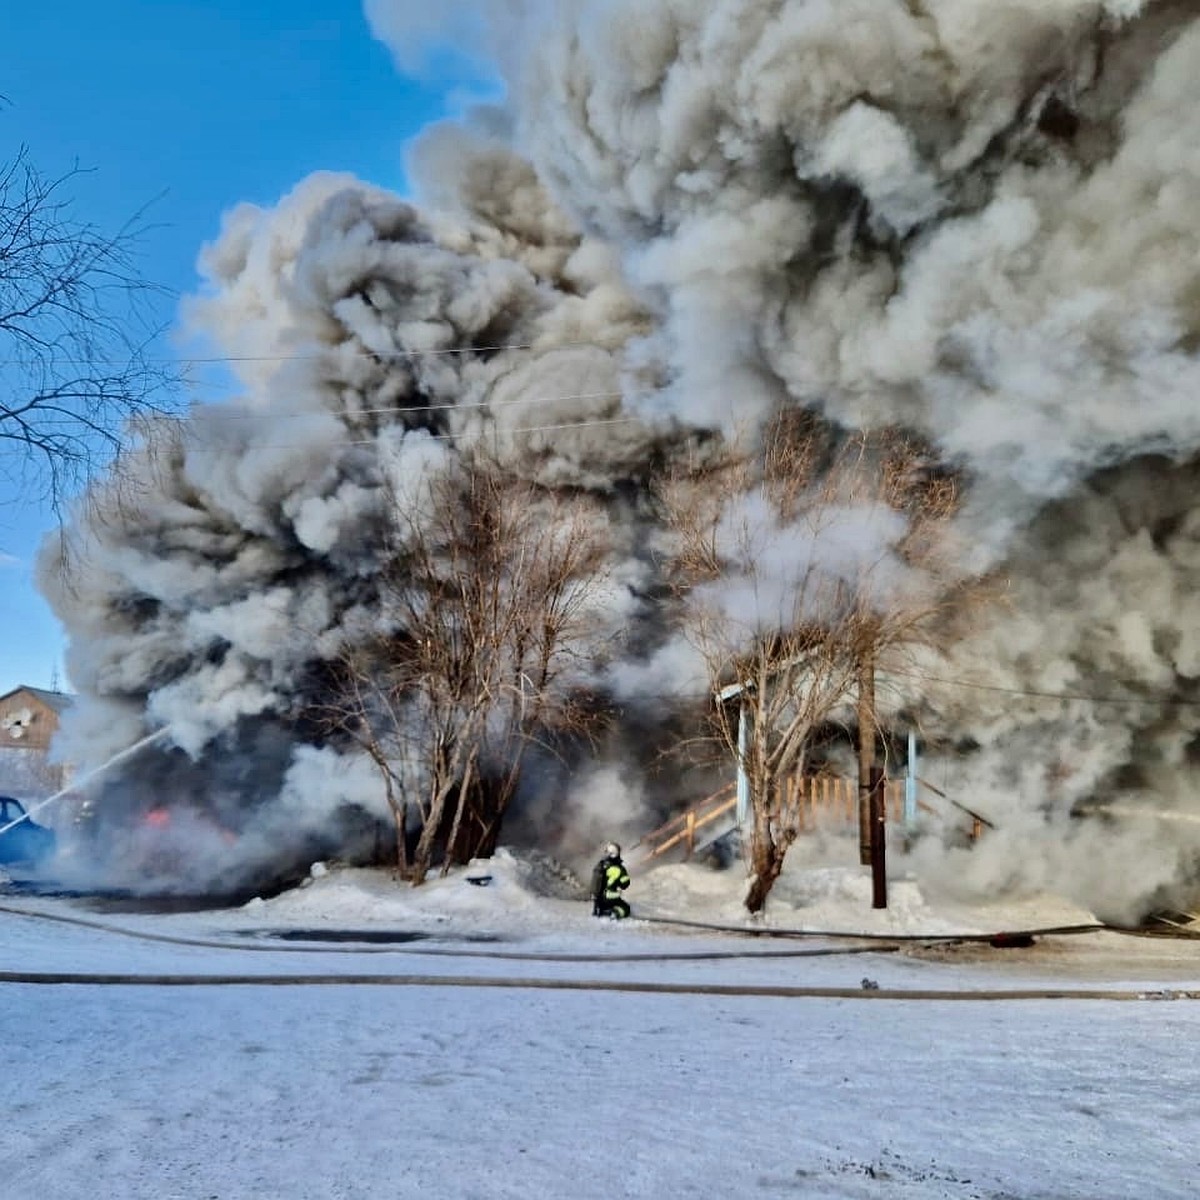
(811, 801)
(827, 799)
(978, 822)
(682, 830)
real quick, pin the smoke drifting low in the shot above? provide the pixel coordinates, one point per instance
(970, 219)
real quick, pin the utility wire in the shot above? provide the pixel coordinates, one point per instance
(312, 356)
(966, 683)
(1036, 694)
(395, 408)
(437, 437)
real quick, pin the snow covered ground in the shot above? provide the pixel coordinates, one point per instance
(523, 1049)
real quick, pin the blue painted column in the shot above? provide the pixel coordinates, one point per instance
(910, 784)
(743, 780)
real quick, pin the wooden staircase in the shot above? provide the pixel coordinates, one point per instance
(1175, 920)
(695, 829)
(813, 801)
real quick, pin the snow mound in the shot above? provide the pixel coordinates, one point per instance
(543, 875)
(838, 899)
(486, 892)
(528, 891)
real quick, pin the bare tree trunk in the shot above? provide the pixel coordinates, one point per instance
(432, 824)
(494, 804)
(401, 819)
(464, 792)
(769, 843)
(399, 811)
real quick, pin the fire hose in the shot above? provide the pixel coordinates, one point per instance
(867, 990)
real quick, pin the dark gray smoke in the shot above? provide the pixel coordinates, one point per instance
(973, 219)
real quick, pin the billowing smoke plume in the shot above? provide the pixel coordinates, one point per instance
(969, 219)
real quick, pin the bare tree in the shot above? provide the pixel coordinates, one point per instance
(488, 628)
(367, 703)
(73, 369)
(31, 773)
(798, 566)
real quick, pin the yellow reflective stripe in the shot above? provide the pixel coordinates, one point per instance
(615, 878)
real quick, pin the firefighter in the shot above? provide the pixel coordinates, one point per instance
(609, 880)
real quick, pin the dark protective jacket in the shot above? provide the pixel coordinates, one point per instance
(616, 878)
(609, 880)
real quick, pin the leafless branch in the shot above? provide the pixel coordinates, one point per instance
(74, 366)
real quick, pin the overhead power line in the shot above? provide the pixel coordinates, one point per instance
(310, 356)
(1038, 694)
(399, 408)
(437, 437)
(446, 437)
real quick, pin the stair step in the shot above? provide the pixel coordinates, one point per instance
(1176, 919)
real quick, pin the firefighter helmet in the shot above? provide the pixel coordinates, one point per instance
(612, 850)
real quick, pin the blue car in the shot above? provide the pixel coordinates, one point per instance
(26, 842)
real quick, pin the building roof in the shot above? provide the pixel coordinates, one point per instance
(58, 701)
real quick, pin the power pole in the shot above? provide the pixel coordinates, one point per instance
(866, 753)
(878, 840)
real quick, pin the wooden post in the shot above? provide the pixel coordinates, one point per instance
(866, 753)
(743, 780)
(878, 848)
(691, 831)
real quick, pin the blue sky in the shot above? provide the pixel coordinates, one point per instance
(194, 107)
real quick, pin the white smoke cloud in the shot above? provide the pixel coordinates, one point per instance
(318, 780)
(420, 34)
(603, 803)
(871, 149)
(973, 219)
(778, 575)
(675, 669)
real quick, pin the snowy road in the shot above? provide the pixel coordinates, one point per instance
(325, 1092)
(313, 1093)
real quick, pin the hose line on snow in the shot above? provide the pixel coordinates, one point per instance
(877, 946)
(589, 985)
